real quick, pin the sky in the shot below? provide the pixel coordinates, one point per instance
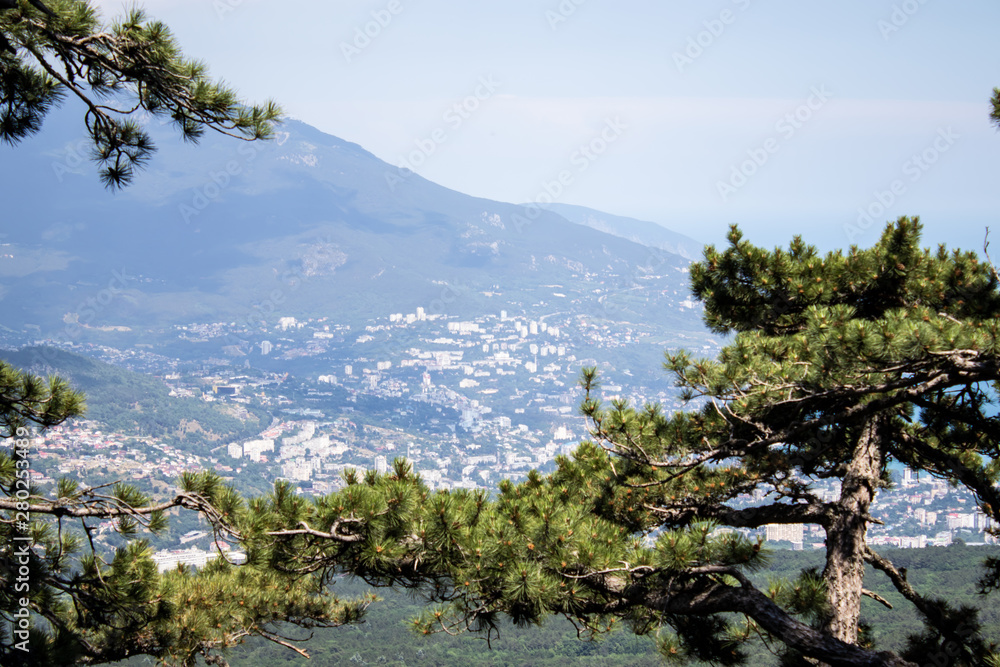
(822, 118)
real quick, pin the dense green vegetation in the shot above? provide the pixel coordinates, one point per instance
(386, 636)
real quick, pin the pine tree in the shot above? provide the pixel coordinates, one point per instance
(66, 601)
(839, 364)
(835, 366)
(995, 102)
(60, 48)
(63, 599)
(27, 400)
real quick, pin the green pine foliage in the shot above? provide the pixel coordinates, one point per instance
(624, 532)
(61, 48)
(386, 636)
(91, 607)
(995, 103)
(838, 365)
(64, 601)
(27, 400)
(527, 554)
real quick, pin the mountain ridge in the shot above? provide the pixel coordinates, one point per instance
(640, 231)
(303, 225)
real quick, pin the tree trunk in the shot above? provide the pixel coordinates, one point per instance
(845, 536)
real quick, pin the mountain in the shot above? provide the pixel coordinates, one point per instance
(640, 231)
(306, 225)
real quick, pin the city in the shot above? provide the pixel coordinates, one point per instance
(449, 396)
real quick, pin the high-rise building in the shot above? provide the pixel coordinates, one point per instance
(255, 448)
(787, 532)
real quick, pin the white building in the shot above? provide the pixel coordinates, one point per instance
(255, 448)
(787, 532)
(306, 433)
(563, 433)
(299, 470)
(463, 327)
(961, 520)
(193, 557)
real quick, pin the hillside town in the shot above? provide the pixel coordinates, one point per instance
(918, 511)
(466, 402)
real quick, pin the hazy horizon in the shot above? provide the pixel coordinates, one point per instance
(782, 117)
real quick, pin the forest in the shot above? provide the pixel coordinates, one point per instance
(387, 635)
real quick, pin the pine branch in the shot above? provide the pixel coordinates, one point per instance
(875, 596)
(950, 466)
(335, 534)
(713, 598)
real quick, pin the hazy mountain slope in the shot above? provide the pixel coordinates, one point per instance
(639, 231)
(137, 404)
(307, 224)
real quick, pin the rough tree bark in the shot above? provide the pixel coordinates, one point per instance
(845, 535)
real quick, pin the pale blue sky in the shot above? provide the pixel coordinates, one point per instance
(872, 83)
